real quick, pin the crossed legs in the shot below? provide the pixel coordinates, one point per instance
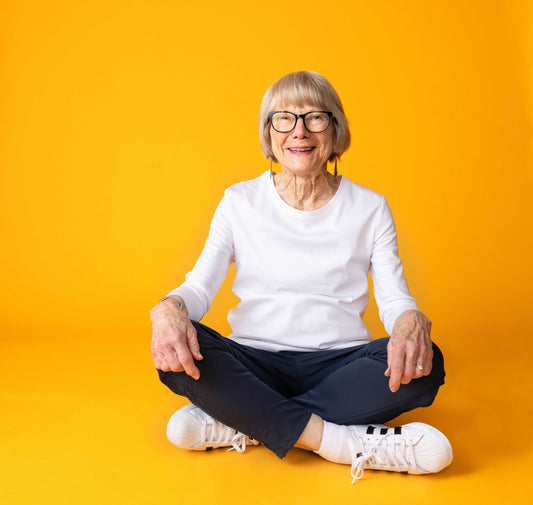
(282, 398)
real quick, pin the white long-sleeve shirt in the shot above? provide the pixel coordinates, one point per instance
(301, 276)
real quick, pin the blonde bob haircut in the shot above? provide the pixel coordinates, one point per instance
(301, 89)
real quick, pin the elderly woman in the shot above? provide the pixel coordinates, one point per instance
(300, 368)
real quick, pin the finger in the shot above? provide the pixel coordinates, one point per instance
(192, 340)
(157, 351)
(395, 378)
(407, 377)
(410, 369)
(162, 364)
(421, 368)
(409, 373)
(157, 362)
(396, 369)
(156, 356)
(424, 363)
(390, 350)
(186, 360)
(172, 360)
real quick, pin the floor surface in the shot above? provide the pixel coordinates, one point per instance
(86, 425)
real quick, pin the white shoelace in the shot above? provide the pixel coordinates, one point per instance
(238, 442)
(383, 452)
(219, 435)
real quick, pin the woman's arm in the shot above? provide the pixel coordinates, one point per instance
(410, 344)
(174, 342)
(203, 282)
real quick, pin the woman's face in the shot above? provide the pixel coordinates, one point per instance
(301, 151)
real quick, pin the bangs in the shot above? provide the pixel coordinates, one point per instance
(300, 95)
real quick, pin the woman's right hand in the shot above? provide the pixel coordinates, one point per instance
(174, 341)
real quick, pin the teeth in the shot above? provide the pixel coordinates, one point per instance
(300, 150)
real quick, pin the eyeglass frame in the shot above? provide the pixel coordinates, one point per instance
(298, 116)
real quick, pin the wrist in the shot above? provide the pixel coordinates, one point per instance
(177, 302)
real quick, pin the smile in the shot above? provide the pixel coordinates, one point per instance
(300, 150)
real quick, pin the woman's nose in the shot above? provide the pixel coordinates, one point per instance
(300, 130)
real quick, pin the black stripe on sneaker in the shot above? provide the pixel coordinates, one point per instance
(398, 430)
(370, 430)
(383, 431)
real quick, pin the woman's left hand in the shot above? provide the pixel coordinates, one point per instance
(409, 351)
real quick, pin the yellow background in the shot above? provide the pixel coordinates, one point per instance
(121, 124)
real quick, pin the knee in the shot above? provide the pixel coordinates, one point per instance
(438, 363)
(174, 381)
(163, 376)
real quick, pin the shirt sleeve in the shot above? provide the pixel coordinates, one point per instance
(390, 286)
(203, 282)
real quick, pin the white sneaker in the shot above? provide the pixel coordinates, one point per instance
(414, 448)
(191, 428)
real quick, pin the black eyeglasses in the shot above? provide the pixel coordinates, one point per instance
(315, 121)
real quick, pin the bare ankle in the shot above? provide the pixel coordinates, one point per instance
(311, 436)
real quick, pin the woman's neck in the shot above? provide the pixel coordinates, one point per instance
(306, 192)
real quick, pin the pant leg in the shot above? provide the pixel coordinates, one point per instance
(357, 391)
(236, 388)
